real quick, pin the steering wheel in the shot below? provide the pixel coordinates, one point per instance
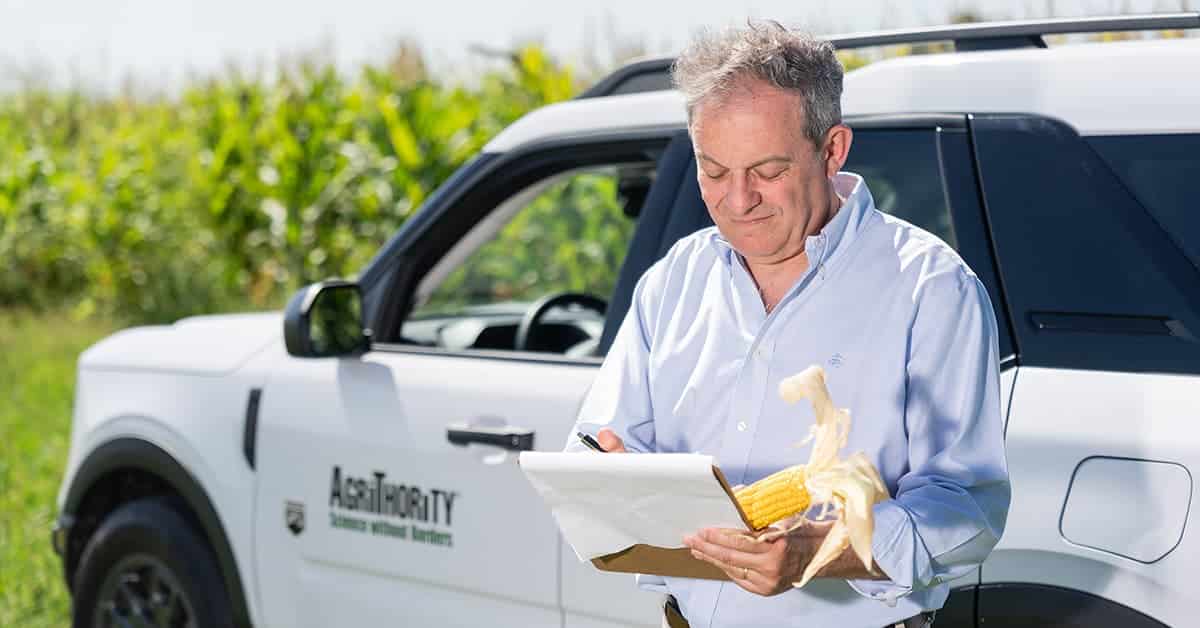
(533, 316)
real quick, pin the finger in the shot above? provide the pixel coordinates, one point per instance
(738, 540)
(733, 571)
(716, 554)
(723, 554)
(610, 441)
(746, 578)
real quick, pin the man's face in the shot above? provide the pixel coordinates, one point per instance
(765, 184)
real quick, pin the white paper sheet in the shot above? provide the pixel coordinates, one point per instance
(605, 503)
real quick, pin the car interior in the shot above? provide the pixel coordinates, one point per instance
(661, 197)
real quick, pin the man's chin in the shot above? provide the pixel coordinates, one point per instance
(753, 245)
(757, 252)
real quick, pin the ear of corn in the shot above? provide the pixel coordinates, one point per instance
(777, 496)
(846, 488)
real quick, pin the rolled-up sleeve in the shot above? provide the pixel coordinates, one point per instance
(950, 507)
(619, 398)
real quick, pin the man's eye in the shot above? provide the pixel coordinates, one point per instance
(712, 175)
(771, 175)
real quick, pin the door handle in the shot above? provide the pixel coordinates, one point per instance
(508, 437)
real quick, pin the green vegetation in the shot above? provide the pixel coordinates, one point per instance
(572, 237)
(37, 377)
(238, 191)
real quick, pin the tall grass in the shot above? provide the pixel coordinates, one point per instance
(37, 377)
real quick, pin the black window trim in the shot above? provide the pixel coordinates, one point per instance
(989, 271)
(495, 180)
(490, 354)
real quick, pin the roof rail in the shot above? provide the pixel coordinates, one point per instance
(655, 74)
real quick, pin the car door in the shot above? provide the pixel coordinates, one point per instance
(389, 492)
(919, 168)
(1097, 239)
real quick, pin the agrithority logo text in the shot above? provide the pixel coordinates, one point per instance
(402, 506)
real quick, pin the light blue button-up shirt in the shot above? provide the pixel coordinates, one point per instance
(907, 337)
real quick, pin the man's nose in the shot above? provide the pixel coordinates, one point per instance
(742, 196)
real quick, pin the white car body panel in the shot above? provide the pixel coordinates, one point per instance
(1059, 418)
(593, 115)
(389, 411)
(1074, 83)
(1161, 491)
(200, 345)
(588, 596)
(1135, 87)
(198, 420)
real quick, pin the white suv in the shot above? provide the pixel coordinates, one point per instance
(296, 470)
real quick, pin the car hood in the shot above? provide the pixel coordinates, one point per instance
(200, 345)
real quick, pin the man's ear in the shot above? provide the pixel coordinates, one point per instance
(836, 148)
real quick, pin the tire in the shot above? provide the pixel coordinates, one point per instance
(147, 562)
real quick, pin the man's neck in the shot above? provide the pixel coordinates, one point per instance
(775, 278)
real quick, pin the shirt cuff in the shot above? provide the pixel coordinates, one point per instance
(894, 545)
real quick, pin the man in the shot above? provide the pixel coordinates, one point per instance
(801, 269)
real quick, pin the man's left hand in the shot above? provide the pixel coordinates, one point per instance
(759, 566)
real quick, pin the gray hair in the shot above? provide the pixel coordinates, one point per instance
(714, 62)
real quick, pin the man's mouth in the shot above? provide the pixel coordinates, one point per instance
(751, 221)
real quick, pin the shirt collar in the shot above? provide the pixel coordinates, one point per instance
(838, 233)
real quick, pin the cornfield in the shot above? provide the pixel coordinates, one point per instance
(236, 191)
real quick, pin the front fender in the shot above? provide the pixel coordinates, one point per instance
(137, 454)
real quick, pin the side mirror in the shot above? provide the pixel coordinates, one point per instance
(325, 320)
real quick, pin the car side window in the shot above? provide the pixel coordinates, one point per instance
(563, 238)
(1161, 171)
(901, 170)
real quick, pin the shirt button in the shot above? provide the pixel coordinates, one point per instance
(741, 426)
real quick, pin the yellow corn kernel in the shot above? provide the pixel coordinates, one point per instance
(774, 497)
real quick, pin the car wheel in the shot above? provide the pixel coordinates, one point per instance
(148, 565)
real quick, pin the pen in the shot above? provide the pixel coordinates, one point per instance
(589, 441)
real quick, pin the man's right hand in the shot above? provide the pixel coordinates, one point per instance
(609, 440)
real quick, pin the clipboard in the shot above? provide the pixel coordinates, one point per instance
(632, 528)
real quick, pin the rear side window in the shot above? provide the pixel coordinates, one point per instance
(1092, 278)
(1163, 173)
(901, 170)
